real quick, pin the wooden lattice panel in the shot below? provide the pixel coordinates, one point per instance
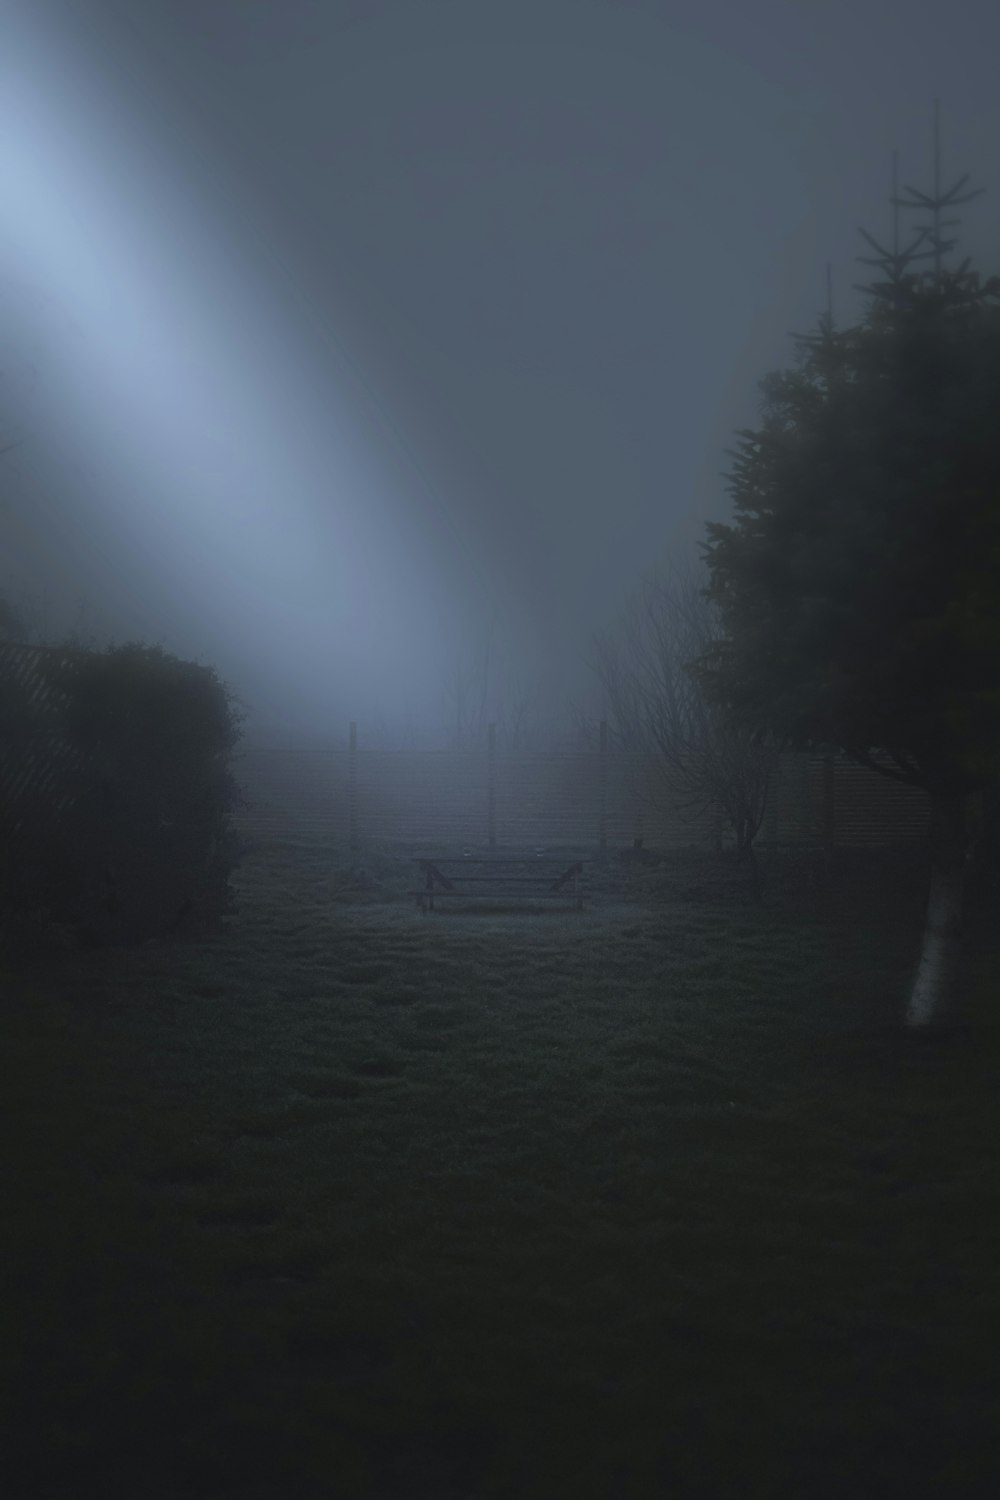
(40, 767)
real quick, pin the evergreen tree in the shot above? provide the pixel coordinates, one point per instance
(858, 584)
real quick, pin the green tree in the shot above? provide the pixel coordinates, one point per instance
(858, 584)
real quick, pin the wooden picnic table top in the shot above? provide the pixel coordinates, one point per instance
(498, 859)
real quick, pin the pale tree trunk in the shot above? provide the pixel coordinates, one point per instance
(934, 996)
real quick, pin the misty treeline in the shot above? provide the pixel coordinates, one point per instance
(479, 691)
(481, 685)
(853, 603)
(485, 684)
(26, 619)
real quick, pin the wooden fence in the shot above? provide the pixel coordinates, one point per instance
(598, 798)
(359, 794)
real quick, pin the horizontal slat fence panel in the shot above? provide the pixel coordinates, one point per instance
(293, 789)
(412, 795)
(422, 795)
(872, 809)
(645, 801)
(547, 799)
(552, 798)
(794, 813)
(571, 798)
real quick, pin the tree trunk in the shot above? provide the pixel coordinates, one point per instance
(934, 996)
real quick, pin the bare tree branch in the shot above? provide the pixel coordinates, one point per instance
(657, 706)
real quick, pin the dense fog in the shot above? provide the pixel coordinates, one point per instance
(348, 346)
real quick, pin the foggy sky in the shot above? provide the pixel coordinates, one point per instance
(334, 332)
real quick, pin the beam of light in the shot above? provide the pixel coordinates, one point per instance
(219, 459)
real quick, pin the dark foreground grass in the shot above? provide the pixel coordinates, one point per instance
(649, 1200)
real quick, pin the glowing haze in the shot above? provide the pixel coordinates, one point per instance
(222, 482)
(335, 332)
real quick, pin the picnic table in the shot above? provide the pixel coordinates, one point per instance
(494, 877)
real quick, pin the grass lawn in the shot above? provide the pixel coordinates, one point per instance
(652, 1200)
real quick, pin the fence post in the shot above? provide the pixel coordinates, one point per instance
(491, 755)
(602, 829)
(352, 783)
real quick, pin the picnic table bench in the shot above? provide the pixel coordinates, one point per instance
(498, 877)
